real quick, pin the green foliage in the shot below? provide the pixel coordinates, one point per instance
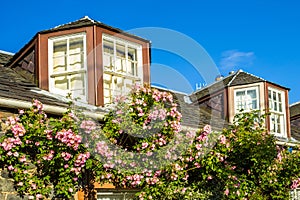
(43, 155)
(141, 145)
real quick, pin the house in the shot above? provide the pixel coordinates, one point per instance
(95, 62)
(295, 120)
(242, 92)
(91, 60)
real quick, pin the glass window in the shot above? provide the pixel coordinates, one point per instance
(122, 67)
(246, 99)
(67, 65)
(277, 113)
(128, 195)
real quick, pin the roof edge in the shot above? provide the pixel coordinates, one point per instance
(6, 52)
(294, 104)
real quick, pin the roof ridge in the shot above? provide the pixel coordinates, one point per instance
(211, 84)
(83, 18)
(255, 76)
(234, 76)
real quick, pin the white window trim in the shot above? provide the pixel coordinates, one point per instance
(139, 68)
(111, 193)
(284, 125)
(256, 88)
(51, 40)
(127, 44)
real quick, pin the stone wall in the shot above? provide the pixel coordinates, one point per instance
(7, 191)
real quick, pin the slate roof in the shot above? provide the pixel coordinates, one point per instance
(295, 120)
(82, 22)
(5, 57)
(194, 115)
(87, 21)
(13, 86)
(295, 129)
(295, 109)
(238, 78)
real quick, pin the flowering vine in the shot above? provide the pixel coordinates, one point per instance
(43, 155)
(142, 145)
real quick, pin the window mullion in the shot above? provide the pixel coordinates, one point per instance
(126, 59)
(115, 55)
(68, 63)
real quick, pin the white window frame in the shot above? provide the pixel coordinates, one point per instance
(122, 74)
(111, 194)
(277, 113)
(236, 110)
(51, 74)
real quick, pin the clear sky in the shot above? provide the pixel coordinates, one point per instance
(259, 36)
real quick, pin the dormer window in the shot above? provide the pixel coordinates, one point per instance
(277, 112)
(122, 66)
(246, 99)
(67, 65)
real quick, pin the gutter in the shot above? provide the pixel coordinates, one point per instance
(58, 110)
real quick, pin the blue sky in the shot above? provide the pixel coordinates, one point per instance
(259, 36)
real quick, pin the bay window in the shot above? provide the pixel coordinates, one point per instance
(67, 65)
(246, 99)
(122, 67)
(277, 112)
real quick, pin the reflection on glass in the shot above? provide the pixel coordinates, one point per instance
(61, 82)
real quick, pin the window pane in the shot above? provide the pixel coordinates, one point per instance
(59, 64)
(61, 82)
(77, 84)
(254, 105)
(252, 94)
(240, 94)
(120, 50)
(280, 107)
(132, 68)
(278, 124)
(107, 78)
(60, 48)
(59, 56)
(76, 45)
(118, 86)
(76, 61)
(108, 61)
(108, 47)
(120, 64)
(279, 97)
(274, 96)
(272, 124)
(132, 54)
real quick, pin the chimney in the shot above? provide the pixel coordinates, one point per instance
(231, 72)
(219, 77)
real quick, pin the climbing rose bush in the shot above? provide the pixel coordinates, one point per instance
(43, 155)
(240, 162)
(142, 145)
